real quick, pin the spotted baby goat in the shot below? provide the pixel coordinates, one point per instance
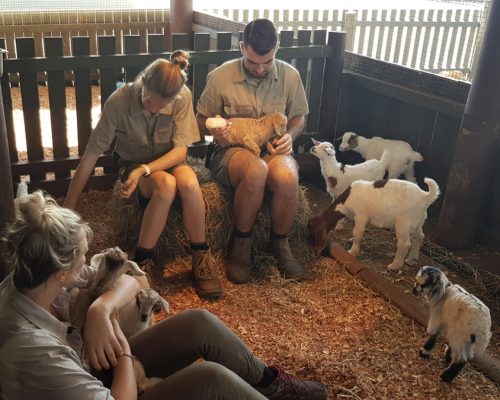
(392, 203)
(455, 314)
(402, 159)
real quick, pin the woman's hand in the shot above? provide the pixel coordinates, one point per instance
(129, 186)
(101, 343)
(282, 145)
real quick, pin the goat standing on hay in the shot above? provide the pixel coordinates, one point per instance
(152, 121)
(455, 314)
(251, 87)
(392, 203)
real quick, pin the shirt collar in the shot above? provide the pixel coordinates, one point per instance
(241, 75)
(30, 310)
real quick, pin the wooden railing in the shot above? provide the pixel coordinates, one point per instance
(314, 59)
(430, 40)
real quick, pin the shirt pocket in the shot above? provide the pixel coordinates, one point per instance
(239, 111)
(164, 130)
(268, 108)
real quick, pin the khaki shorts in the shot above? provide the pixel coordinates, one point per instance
(219, 162)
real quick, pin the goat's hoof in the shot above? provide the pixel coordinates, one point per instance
(393, 267)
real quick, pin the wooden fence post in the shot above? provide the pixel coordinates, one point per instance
(477, 146)
(6, 188)
(332, 81)
(349, 27)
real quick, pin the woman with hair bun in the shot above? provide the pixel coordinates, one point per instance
(153, 122)
(43, 357)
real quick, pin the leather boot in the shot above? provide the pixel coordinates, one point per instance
(239, 260)
(288, 265)
(205, 280)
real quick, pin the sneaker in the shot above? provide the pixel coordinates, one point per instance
(287, 387)
(238, 263)
(206, 281)
(288, 265)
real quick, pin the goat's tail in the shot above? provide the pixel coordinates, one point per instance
(433, 192)
(415, 156)
(386, 158)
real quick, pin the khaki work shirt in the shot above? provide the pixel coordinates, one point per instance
(231, 92)
(141, 136)
(40, 356)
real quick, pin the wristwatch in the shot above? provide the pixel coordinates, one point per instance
(147, 169)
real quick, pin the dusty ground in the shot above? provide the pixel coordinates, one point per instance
(329, 328)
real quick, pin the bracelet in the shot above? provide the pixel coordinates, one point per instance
(147, 169)
(132, 357)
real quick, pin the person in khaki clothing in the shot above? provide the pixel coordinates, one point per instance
(252, 86)
(153, 122)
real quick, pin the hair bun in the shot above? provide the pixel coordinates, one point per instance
(180, 58)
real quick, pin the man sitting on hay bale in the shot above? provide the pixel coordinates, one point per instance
(153, 122)
(252, 86)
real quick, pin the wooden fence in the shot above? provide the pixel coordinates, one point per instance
(430, 40)
(69, 24)
(314, 59)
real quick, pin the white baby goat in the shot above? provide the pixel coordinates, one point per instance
(338, 177)
(402, 159)
(455, 314)
(384, 204)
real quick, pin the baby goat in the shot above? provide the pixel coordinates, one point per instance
(252, 133)
(455, 314)
(139, 315)
(402, 159)
(110, 264)
(338, 177)
(384, 204)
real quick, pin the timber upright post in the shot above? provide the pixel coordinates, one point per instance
(332, 82)
(477, 146)
(6, 188)
(181, 18)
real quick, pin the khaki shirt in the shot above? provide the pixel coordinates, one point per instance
(230, 92)
(40, 356)
(142, 136)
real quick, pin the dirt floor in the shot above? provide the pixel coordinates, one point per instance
(329, 328)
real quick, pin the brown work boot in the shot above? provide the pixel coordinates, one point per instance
(285, 386)
(288, 265)
(206, 282)
(238, 263)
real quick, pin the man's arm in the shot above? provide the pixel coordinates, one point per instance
(296, 126)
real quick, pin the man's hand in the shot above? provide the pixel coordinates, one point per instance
(221, 134)
(283, 145)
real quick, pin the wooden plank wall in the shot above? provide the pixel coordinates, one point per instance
(414, 38)
(50, 168)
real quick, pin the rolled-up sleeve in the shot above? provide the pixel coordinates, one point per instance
(103, 134)
(210, 103)
(185, 127)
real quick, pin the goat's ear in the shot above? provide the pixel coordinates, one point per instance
(315, 142)
(95, 261)
(165, 305)
(134, 269)
(279, 129)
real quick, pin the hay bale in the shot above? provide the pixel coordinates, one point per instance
(173, 242)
